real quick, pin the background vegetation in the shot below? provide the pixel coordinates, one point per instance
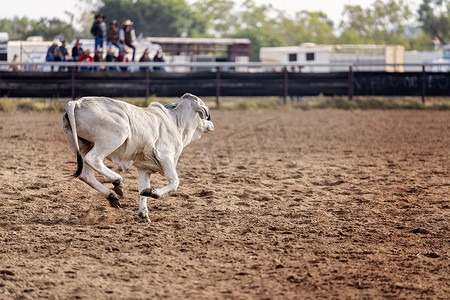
(12, 105)
(384, 22)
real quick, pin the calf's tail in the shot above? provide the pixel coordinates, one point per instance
(79, 166)
(70, 113)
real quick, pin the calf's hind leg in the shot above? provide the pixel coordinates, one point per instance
(88, 176)
(94, 158)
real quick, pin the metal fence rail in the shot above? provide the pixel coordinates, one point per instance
(249, 79)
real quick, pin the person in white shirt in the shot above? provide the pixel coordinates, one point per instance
(127, 36)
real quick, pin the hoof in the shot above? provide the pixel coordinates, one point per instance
(144, 220)
(118, 187)
(114, 201)
(119, 190)
(150, 193)
(144, 217)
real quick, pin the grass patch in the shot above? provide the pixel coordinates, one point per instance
(366, 103)
(31, 104)
(250, 103)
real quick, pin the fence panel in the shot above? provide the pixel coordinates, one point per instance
(401, 84)
(140, 84)
(312, 84)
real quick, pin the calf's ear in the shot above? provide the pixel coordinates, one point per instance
(188, 95)
(202, 111)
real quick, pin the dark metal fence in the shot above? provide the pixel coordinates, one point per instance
(74, 84)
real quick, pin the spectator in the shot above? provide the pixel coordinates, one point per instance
(86, 57)
(145, 58)
(123, 58)
(98, 30)
(77, 51)
(112, 36)
(62, 53)
(15, 60)
(127, 36)
(110, 57)
(99, 58)
(159, 58)
(52, 52)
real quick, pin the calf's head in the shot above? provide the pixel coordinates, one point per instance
(202, 118)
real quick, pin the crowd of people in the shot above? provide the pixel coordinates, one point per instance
(124, 39)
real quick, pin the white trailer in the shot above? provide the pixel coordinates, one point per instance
(312, 57)
(337, 58)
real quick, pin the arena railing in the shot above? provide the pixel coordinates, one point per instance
(225, 79)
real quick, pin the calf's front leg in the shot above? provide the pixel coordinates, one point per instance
(143, 184)
(170, 172)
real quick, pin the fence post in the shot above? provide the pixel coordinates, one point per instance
(423, 84)
(285, 85)
(73, 83)
(350, 83)
(218, 87)
(147, 78)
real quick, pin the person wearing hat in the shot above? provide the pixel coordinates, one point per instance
(111, 57)
(123, 58)
(159, 58)
(15, 60)
(145, 58)
(77, 51)
(52, 52)
(127, 36)
(98, 57)
(98, 30)
(112, 36)
(86, 57)
(62, 53)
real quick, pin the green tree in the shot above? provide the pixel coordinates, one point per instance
(217, 16)
(314, 27)
(351, 36)
(434, 16)
(21, 28)
(153, 17)
(259, 24)
(17, 28)
(385, 22)
(255, 22)
(421, 41)
(258, 38)
(53, 28)
(267, 27)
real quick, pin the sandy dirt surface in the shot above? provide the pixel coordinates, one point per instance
(272, 205)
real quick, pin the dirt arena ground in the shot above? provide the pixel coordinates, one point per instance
(272, 205)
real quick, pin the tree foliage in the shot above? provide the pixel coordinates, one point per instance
(434, 16)
(53, 28)
(264, 25)
(382, 23)
(306, 26)
(152, 17)
(215, 15)
(49, 29)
